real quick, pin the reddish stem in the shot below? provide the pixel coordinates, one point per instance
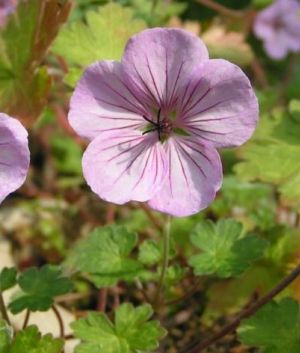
(199, 347)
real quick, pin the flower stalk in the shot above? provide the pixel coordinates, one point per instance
(251, 310)
(3, 309)
(165, 261)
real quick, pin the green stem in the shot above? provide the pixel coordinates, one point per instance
(154, 4)
(165, 260)
(223, 10)
(3, 309)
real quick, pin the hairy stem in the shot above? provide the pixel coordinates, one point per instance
(26, 320)
(223, 10)
(3, 309)
(187, 295)
(153, 7)
(102, 299)
(252, 309)
(60, 321)
(151, 216)
(165, 260)
(259, 73)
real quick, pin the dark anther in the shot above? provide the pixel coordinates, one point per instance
(159, 126)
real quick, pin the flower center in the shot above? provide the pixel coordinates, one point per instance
(163, 126)
(166, 126)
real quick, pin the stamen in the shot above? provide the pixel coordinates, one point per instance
(150, 121)
(162, 126)
(150, 130)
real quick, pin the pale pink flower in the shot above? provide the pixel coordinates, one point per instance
(279, 27)
(156, 119)
(6, 8)
(14, 155)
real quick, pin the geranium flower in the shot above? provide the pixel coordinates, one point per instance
(156, 119)
(6, 8)
(279, 28)
(14, 155)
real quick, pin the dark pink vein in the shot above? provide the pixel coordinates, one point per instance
(175, 85)
(146, 86)
(182, 168)
(143, 171)
(167, 78)
(170, 172)
(132, 94)
(153, 81)
(198, 151)
(192, 159)
(191, 95)
(198, 101)
(125, 151)
(214, 119)
(124, 98)
(204, 110)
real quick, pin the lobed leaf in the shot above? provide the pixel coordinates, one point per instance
(8, 278)
(131, 332)
(226, 251)
(24, 84)
(273, 154)
(102, 36)
(5, 336)
(274, 328)
(105, 256)
(31, 341)
(39, 288)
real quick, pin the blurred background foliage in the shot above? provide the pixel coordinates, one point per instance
(44, 48)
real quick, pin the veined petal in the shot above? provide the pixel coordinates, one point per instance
(14, 155)
(158, 61)
(194, 177)
(218, 104)
(275, 49)
(103, 101)
(124, 166)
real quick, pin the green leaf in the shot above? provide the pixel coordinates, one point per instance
(67, 154)
(226, 251)
(273, 154)
(105, 256)
(131, 332)
(255, 201)
(6, 335)
(102, 36)
(261, 3)
(164, 11)
(8, 278)
(151, 252)
(39, 288)
(226, 297)
(275, 328)
(31, 341)
(24, 83)
(175, 273)
(294, 109)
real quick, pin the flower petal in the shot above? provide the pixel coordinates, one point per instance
(157, 62)
(195, 175)
(14, 155)
(124, 166)
(218, 104)
(276, 50)
(103, 101)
